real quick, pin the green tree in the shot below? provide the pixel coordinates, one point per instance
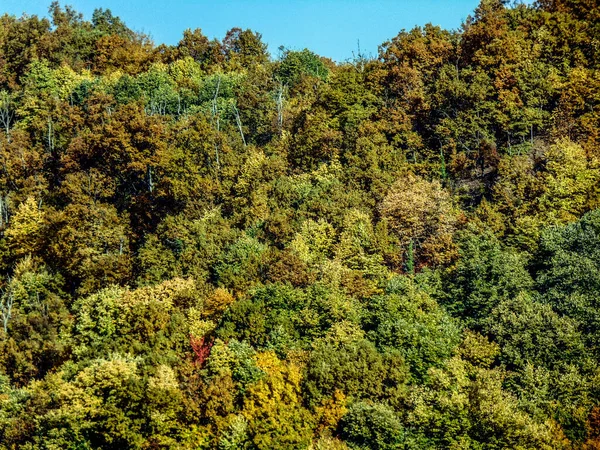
(485, 275)
(372, 426)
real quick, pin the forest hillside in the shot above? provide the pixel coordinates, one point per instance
(210, 246)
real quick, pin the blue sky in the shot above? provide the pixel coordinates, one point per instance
(330, 28)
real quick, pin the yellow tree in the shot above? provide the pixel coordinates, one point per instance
(273, 406)
(424, 217)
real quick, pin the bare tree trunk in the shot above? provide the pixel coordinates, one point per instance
(3, 211)
(279, 100)
(6, 304)
(51, 140)
(150, 180)
(532, 134)
(6, 115)
(239, 124)
(280, 107)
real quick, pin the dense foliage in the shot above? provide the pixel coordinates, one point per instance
(203, 246)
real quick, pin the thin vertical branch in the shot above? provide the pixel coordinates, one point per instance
(280, 107)
(239, 124)
(6, 304)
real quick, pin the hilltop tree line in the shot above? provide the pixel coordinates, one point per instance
(206, 245)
